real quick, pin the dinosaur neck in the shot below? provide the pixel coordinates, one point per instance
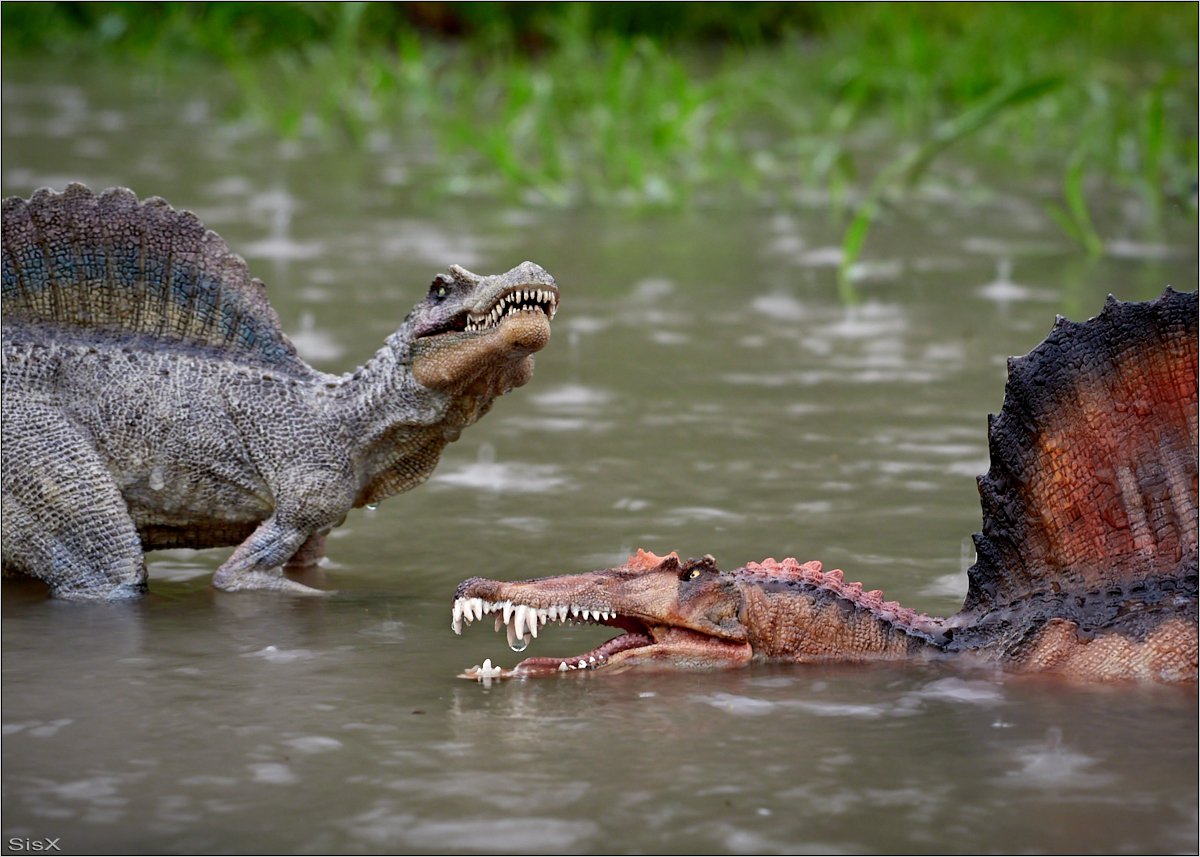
(396, 427)
(798, 613)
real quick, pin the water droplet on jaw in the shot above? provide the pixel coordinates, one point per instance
(371, 507)
(520, 645)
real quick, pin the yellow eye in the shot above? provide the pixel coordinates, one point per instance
(693, 574)
(442, 292)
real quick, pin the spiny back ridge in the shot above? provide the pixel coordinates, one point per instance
(111, 265)
(791, 572)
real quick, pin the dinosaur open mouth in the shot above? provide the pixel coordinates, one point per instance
(528, 299)
(522, 622)
(512, 302)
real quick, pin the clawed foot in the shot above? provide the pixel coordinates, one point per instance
(270, 581)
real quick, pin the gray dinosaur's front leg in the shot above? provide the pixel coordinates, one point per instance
(257, 561)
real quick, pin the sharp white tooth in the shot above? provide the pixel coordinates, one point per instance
(499, 622)
(591, 660)
(562, 668)
(574, 609)
(456, 620)
(512, 633)
(531, 620)
(543, 616)
(477, 606)
(508, 610)
(519, 620)
(582, 664)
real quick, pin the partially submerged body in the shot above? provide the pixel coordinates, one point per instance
(151, 399)
(1087, 560)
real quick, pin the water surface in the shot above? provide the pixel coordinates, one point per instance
(708, 389)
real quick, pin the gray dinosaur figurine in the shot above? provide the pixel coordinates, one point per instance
(151, 399)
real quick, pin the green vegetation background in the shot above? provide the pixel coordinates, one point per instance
(667, 104)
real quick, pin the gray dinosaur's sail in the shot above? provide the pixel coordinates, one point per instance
(109, 265)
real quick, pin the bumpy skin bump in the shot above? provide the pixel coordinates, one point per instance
(1087, 560)
(151, 400)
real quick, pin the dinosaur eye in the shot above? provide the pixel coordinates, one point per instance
(440, 287)
(692, 575)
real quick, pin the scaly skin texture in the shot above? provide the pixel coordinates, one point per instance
(151, 400)
(1087, 560)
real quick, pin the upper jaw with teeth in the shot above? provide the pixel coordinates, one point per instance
(522, 620)
(513, 301)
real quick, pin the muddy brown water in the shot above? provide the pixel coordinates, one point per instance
(707, 390)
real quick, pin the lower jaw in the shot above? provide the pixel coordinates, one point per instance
(598, 657)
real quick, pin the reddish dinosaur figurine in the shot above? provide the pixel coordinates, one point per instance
(1087, 563)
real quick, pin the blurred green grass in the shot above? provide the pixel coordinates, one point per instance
(666, 104)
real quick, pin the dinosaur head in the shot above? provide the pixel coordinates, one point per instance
(477, 335)
(670, 613)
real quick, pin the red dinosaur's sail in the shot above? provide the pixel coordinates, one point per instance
(1092, 489)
